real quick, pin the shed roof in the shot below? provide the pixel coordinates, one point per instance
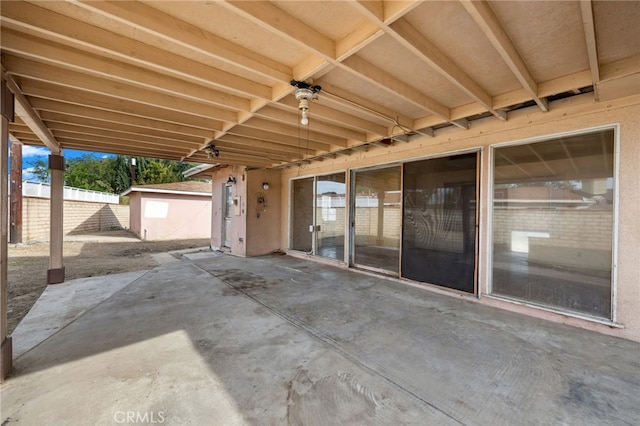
(185, 188)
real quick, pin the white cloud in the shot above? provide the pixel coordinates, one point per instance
(34, 151)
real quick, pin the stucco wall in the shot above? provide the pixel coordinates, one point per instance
(569, 115)
(79, 217)
(174, 216)
(263, 224)
(256, 229)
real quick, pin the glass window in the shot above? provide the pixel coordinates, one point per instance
(553, 222)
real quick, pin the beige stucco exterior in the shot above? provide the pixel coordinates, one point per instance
(254, 236)
(162, 216)
(570, 115)
(255, 227)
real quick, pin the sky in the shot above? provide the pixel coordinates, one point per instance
(30, 154)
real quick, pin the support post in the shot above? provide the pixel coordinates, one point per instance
(6, 349)
(15, 208)
(55, 274)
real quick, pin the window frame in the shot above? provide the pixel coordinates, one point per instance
(612, 320)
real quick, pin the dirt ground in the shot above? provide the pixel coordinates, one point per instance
(84, 256)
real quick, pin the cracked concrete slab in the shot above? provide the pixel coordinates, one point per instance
(279, 340)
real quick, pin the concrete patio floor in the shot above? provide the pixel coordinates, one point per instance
(218, 340)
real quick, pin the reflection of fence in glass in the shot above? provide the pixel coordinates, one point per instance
(43, 190)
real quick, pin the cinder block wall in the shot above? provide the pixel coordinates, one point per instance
(79, 217)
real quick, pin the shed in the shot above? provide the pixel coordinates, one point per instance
(175, 210)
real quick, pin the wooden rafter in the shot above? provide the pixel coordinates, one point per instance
(47, 52)
(491, 27)
(81, 81)
(60, 29)
(148, 19)
(143, 124)
(409, 37)
(30, 116)
(590, 38)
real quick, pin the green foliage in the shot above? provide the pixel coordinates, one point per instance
(158, 171)
(88, 172)
(113, 174)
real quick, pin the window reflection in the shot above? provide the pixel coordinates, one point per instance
(553, 222)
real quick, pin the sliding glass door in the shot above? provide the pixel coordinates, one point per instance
(439, 221)
(318, 215)
(377, 216)
(302, 215)
(331, 193)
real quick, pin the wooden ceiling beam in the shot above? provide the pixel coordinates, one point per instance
(48, 24)
(254, 162)
(112, 140)
(98, 144)
(29, 115)
(481, 12)
(57, 117)
(586, 10)
(278, 138)
(333, 94)
(44, 51)
(80, 97)
(240, 159)
(385, 12)
(94, 84)
(255, 146)
(395, 86)
(273, 19)
(272, 156)
(303, 133)
(56, 128)
(84, 145)
(269, 16)
(118, 118)
(20, 135)
(191, 38)
(234, 140)
(404, 33)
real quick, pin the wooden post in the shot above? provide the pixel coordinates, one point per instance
(15, 208)
(55, 274)
(6, 349)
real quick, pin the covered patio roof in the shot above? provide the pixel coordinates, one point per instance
(168, 79)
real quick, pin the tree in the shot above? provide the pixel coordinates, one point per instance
(88, 172)
(113, 174)
(121, 179)
(40, 169)
(157, 171)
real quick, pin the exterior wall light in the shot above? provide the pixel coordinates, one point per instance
(265, 186)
